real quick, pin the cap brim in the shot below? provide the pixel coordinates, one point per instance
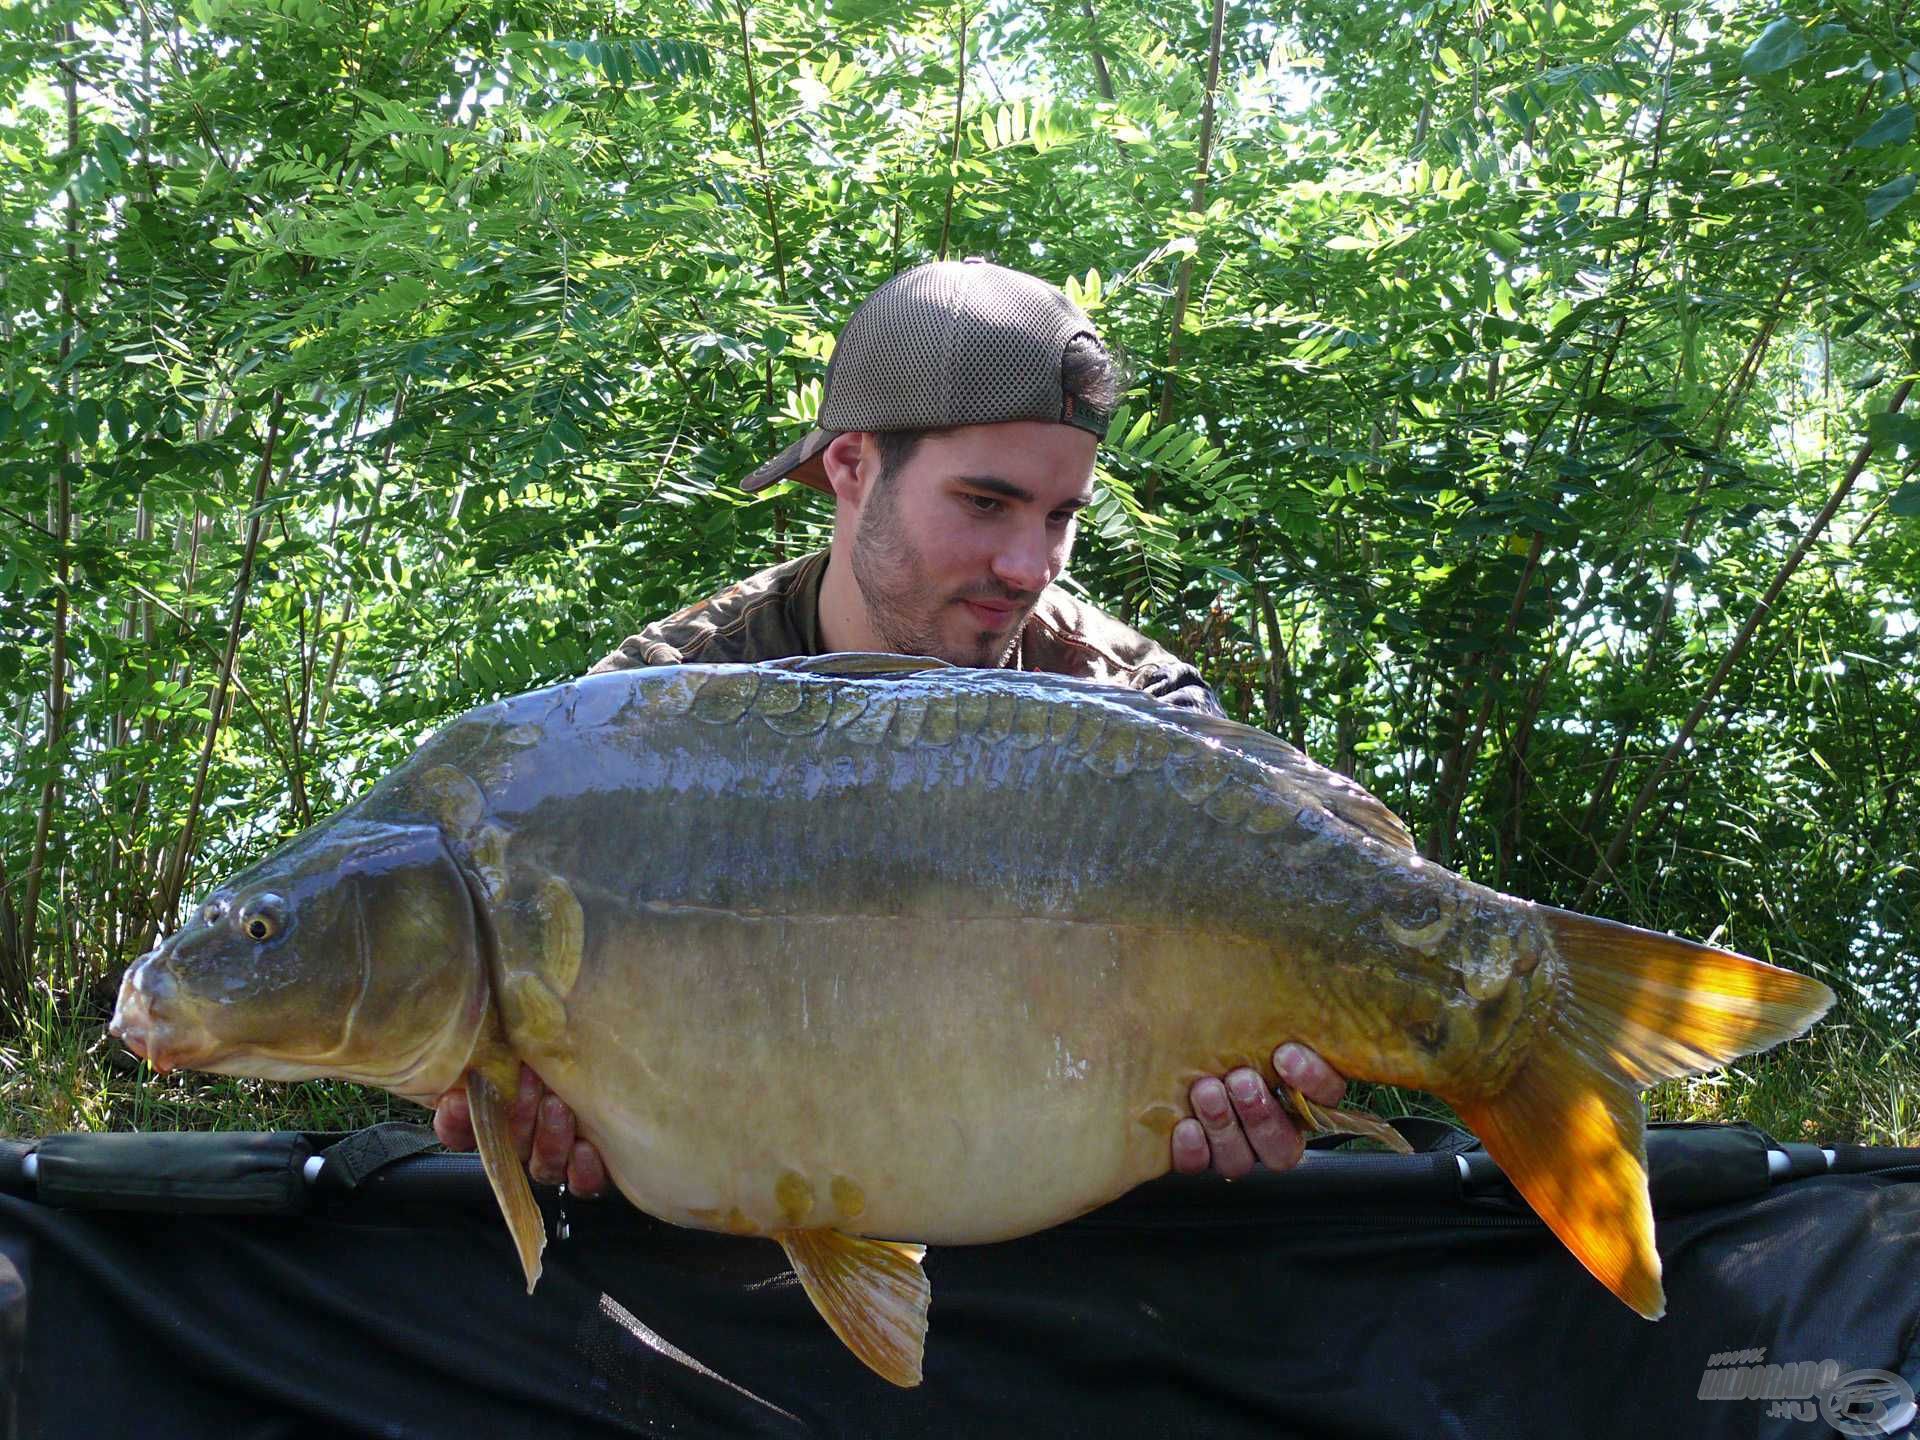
(799, 461)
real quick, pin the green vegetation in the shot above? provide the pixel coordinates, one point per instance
(1520, 423)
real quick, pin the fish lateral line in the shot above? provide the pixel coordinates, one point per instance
(944, 918)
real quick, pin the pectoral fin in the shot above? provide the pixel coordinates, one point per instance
(487, 1100)
(1319, 1119)
(872, 1292)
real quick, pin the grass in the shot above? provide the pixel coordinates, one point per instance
(61, 1072)
(1847, 1082)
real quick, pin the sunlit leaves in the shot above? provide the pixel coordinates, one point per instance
(1777, 47)
(1895, 127)
(1883, 201)
(1895, 429)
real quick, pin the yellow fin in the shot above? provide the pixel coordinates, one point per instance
(1318, 1118)
(1572, 1140)
(1662, 1006)
(492, 1128)
(872, 1292)
(1568, 1129)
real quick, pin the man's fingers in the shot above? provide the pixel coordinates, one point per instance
(552, 1142)
(1272, 1135)
(526, 1112)
(452, 1121)
(586, 1175)
(1231, 1155)
(1309, 1074)
(1191, 1154)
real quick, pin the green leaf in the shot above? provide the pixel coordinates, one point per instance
(1893, 128)
(1905, 501)
(1350, 242)
(1882, 202)
(1779, 45)
(1885, 429)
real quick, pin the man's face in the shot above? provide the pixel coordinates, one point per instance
(951, 553)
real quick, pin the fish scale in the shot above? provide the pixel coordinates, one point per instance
(965, 937)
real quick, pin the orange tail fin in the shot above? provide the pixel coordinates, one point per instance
(1569, 1131)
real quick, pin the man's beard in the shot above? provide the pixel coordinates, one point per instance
(903, 604)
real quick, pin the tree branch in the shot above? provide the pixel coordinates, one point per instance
(1617, 847)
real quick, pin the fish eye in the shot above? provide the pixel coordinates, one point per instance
(263, 917)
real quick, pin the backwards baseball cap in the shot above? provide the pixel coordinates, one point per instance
(956, 342)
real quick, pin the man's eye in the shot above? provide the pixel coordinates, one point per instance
(983, 504)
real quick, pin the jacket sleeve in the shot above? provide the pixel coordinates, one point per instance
(1179, 684)
(636, 652)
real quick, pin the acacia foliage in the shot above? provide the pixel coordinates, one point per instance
(1495, 365)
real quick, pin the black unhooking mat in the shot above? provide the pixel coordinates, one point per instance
(1358, 1295)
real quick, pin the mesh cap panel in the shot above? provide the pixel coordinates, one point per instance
(952, 343)
(957, 342)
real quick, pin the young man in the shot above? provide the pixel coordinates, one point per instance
(958, 425)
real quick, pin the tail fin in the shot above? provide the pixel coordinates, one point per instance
(1568, 1129)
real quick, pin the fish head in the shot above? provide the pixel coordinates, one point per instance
(352, 952)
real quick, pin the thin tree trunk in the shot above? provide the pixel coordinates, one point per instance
(13, 991)
(346, 606)
(1520, 739)
(760, 151)
(1198, 206)
(1730, 397)
(62, 531)
(1101, 77)
(217, 707)
(1283, 688)
(959, 106)
(1617, 846)
(1458, 763)
(1457, 767)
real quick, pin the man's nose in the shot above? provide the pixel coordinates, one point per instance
(1025, 561)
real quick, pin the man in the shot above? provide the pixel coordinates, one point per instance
(958, 426)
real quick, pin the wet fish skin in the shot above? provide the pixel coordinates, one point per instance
(1032, 908)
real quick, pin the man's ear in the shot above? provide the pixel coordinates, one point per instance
(851, 461)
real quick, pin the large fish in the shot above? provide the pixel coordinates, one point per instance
(955, 943)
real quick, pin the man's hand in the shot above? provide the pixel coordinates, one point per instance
(542, 1136)
(1241, 1121)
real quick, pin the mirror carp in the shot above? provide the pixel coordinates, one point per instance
(951, 944)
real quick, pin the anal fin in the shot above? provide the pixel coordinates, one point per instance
(492, 1128)
(872, 1292)
(1571, 1138)
(1321, 1120)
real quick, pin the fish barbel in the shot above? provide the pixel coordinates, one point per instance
(966, 938)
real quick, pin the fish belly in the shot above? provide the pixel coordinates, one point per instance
(921, 1076)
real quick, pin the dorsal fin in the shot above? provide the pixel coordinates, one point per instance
(1337, 794)
(856, 663)
(1343, 798)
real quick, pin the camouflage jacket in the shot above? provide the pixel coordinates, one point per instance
(776, 614)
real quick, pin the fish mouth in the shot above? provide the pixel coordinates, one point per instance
(156, 1038)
